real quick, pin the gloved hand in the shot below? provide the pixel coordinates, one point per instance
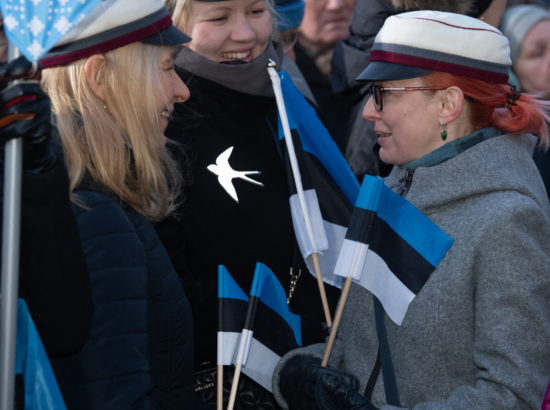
(306, 385)
(25, 113)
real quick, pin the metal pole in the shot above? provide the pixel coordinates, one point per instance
(11, 228)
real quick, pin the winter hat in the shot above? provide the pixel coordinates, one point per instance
(417, 43)
(474, 8)
(289, 13)
(517, 21)
(113, 24)
(479, 7)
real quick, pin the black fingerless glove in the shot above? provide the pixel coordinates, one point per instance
(306, 385)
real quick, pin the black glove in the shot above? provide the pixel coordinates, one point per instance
(306, 385)
(25, 113)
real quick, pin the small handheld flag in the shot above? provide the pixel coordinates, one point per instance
(391, 247)
(270, 330)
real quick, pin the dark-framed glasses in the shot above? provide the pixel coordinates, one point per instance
(377, 92)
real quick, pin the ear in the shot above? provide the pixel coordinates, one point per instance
(92, 70)
(452, 102)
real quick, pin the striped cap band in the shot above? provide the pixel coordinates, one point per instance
(113, 24)
(438, 41)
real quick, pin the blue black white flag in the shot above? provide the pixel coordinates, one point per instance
(40, 389)
(232, 307)
(35, 26)
(330, 187)
(391, 247)
(270, 329)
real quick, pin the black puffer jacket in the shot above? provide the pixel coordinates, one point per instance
(139, 353)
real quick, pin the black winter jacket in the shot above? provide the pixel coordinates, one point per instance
(139, 353)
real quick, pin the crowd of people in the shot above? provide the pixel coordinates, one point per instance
(144, 111)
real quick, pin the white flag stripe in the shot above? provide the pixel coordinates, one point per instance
(351, 261)
(227, 346)
(390, 291)
(328, 259)
(298, 220)
(261, 364)
(244, 346)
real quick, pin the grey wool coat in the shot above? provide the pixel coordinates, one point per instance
(477, 336)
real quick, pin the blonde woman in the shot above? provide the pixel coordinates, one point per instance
(112, 84)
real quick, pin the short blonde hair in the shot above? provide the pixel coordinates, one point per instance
(117, 143)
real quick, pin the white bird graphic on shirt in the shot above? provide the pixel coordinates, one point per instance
(226, 174)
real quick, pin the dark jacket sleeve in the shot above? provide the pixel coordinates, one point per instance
(53, 279)
(351, 56)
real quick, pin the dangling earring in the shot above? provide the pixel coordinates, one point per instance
(443, 131)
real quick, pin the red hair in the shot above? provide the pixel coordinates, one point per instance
(490, 105)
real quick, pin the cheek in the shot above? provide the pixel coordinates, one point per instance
(204, 41)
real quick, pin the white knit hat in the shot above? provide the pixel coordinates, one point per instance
(417, 43)
(113, 24)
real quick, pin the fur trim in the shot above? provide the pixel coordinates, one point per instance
(452, 6)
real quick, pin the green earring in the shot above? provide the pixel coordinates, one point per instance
(443, 131)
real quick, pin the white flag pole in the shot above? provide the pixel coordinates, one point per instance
(276, 81)
(11, 230)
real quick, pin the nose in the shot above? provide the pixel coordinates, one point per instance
(181, 92)
(242, 31)
(335, 4)
(369, 112)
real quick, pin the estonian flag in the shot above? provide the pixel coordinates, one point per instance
(330, 187)
(391, 247)
(39, 389)
(270, 330)
(232, 306)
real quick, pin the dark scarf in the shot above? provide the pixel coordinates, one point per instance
(250, 78)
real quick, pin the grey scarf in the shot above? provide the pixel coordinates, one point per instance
(250, 78)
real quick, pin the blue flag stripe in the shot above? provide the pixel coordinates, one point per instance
(227, 287)
(410, 267)
(315, 138)
(267, 288)
(404, 218)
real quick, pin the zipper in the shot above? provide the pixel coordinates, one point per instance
(406, 182)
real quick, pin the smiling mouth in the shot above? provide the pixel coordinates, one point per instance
(236, 55)
(165, 113)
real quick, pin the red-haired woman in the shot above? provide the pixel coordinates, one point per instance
(461, 142)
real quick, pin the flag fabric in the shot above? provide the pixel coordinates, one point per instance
(35, 26)
(232, 306)
(330, 187)
(391, 248)
(270, 330)
(39, 384)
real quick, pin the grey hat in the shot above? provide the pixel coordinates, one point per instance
(517, 21)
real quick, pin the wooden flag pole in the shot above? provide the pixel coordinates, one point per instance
(337, 318)
(219, 394)
(234, 387)
(321, 286)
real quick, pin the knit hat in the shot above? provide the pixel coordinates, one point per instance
(113, 24)
(417, 43)
(478, 7)
(289, 13)
(517, 21)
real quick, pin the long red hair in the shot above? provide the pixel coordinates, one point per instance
(491, 105)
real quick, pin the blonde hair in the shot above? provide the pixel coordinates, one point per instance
(180, 10)
(117, 143)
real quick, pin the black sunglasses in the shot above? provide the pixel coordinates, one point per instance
(377, 91)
